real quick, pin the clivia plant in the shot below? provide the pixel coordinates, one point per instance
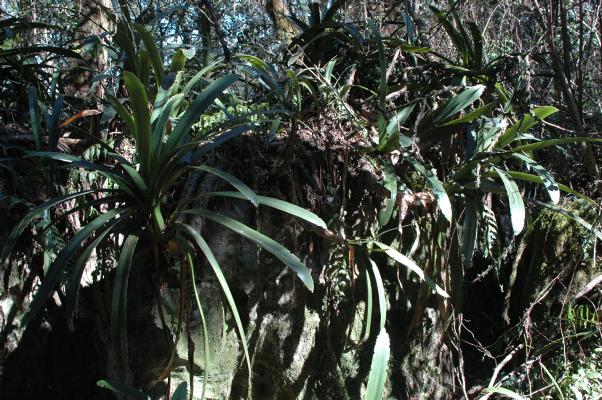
(135, 199)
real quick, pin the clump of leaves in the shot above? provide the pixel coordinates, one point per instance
(135, 201)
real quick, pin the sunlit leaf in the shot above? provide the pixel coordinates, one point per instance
(378, 367)
(517, 206)
(411, 265)
(262, 240)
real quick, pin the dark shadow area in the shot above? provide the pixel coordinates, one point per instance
(53, 363)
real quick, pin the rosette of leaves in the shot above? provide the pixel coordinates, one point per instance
(136, 208)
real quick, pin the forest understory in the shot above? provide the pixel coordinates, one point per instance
(343, 199)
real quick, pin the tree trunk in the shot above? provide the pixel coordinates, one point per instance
(92, 29)
(277, 10)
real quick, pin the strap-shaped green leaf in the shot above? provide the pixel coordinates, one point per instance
(204, 247)
(39, 49)
(31, 215)
(77, 162)
(515, 200)
(139, 103)
(262, 240)
(380, 292)
(163, 95)
(471, 116)
(544, 174)
(138, 182)
(153, 52)
(123, 113)
(553, 142)
(536, 179)
(119, 301)
(369, 306)
(34, 115)
(526, 123)
(448, 110)
(457, 38)
(56, 269)
(435, 184)
(78, 270)
(281, 205)
(195, 110)
(469, 231)
(232, 180)
(189, 252)
(411, 265)
(572, 216)
(392, 137)
(378, 367)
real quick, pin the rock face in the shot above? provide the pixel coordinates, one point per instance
(282, 321)
(302, 345)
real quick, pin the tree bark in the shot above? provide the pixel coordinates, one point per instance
(277, 11)
(94, 24)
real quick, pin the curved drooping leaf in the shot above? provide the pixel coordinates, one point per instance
(378, 367)
(232, 180)
(391, 137)
(572, 216)
(460, 41)
(553, 142)
(281, 205)
(473, 115)
(435, 184)
(58, 266)
(515, 200)
(78, 270)
(206, 250)
(544, 174)
(380, 291)
(537, 179)
(369, 306)
(31, 215)
(411, 265)
(194, 111)
(526, 123)
(77, 162)
(189, 253)
(123, 113)
(119, 300)
(262, 240)
(39, 49)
